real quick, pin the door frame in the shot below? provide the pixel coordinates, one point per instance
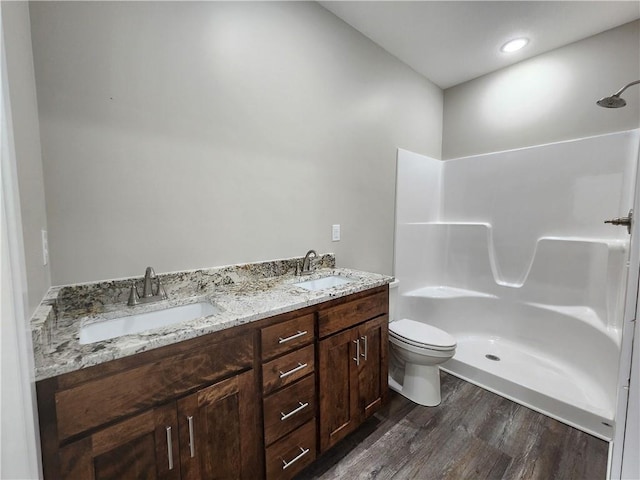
(625, 439)
(20, 449)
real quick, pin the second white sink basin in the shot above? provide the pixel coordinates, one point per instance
(116, 327)
(323, 283)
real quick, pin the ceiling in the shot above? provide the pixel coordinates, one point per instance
(450, 42)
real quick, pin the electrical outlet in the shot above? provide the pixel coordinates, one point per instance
(335, 233)
(45, 248)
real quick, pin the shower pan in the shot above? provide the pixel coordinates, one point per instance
(509, 253)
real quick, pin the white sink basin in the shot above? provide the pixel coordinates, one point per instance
(116, 327)
(323, 283)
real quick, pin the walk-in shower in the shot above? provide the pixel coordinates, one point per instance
(508, 252)
(615, 101)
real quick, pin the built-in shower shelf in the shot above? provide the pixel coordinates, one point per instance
(564, 271)
(443, 291)
(585, 314)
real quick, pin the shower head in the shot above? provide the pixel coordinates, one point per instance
(615, 101)
(612, 102)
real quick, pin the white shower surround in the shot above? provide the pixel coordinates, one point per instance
(508, 252)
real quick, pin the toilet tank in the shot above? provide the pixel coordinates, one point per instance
(393, 299)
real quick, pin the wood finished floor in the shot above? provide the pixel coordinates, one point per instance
(472, 434)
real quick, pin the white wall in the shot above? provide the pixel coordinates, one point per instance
(194, 134)
(547, 98)
(24, 110)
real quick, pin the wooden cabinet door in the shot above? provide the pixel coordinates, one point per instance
(373, 370)
(142, 447)
(219, 431)
(338, 387)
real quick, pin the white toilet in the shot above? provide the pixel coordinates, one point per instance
(416, 351)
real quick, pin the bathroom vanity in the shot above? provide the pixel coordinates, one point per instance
(260, 396)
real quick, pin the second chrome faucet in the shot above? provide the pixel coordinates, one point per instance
(148, 294)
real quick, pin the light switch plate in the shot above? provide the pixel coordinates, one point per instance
(335, 233)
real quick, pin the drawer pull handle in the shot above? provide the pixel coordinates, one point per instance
(357, 357)
(293, 370)
(302, 406)
(303, 452)
(292, 337)
(169, 448)
(366, 347)
(192, 445)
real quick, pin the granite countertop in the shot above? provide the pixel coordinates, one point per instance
(240, 298)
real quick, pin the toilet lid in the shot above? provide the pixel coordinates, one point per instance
(418, 333)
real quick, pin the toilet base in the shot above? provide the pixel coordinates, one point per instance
(421, 384)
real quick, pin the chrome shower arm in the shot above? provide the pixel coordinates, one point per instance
(619, 92)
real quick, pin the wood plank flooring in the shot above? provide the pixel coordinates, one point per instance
(472, 434)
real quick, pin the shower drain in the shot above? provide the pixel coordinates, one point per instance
(495, 358)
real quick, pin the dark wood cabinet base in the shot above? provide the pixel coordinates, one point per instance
(256, 401)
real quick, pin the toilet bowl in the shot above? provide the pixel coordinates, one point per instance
(416, 350)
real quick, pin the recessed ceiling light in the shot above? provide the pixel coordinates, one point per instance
(514, 45)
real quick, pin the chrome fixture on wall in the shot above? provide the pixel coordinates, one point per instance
(615, 101)
(625, 221)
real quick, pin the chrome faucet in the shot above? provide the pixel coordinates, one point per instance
(306, 263)
(148, 295)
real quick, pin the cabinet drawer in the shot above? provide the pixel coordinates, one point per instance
(286, 336)
(334, 319)
(288, 368)
(103, 400)
(289, 456)
(289, 408)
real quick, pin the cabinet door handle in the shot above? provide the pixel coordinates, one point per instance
(303, 452)
(292, 337)
(293, 370)
(357, 357)
(192, 445)
(169, 448)
(302, 406)
(366, 347)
